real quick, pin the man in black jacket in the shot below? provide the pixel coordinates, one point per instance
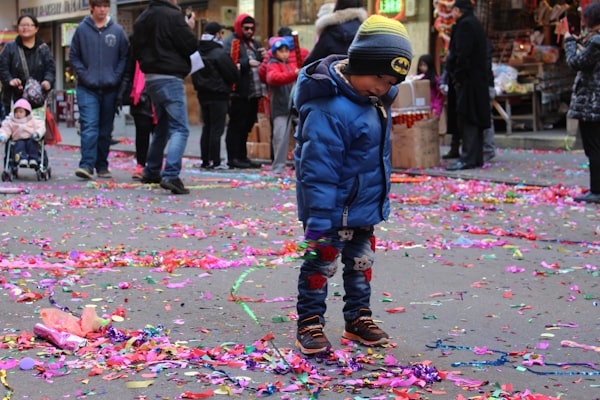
(213, 86)
(163, 42)
(248, 90)
(468, 67)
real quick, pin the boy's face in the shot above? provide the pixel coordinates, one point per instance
(20, 112)
(282, 53)
(100, 12)
(372, 85)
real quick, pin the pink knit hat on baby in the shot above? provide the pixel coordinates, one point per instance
(22, 103)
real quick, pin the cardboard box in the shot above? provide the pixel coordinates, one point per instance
(261, 151)
(253, 135)
(416, 147)
(264, 129)
(413, 96)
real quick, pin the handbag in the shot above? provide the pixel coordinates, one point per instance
(32, 90)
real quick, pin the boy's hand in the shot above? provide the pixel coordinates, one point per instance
(2, 139)
(37, 136)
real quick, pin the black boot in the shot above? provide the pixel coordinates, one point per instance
(452, 153)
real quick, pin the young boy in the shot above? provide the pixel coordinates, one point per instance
(343, 169)
(25, 130)
(281, 76)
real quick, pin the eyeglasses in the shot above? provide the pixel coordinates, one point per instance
(248, 28)
(26, 26)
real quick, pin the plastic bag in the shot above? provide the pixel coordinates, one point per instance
(65, 322)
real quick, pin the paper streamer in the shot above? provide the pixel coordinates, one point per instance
(3, 380)
(269, 337)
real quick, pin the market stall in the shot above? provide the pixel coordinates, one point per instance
(532, 81)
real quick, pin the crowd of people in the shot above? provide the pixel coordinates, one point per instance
(338, 98)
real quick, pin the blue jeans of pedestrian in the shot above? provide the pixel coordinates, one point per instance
(96, 119)
(170, 106)
(356, 251)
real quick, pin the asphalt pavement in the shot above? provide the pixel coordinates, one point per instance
(486, 281)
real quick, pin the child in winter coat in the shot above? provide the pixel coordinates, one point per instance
(281, 77)
(343, 172)
(26, 131)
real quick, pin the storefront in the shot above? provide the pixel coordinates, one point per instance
(301, 15)
(526, 36)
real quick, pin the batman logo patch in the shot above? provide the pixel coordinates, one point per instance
(401, 65)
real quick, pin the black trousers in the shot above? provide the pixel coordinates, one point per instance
(590, 138)
(242, 116)
(143, 128)
(214, 115)
(472, 142)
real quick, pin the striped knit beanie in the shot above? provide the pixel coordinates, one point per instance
(381, 46)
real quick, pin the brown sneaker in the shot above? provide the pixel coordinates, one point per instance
(310, 338)
(364, 330)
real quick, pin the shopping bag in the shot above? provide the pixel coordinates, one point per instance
(52, 131)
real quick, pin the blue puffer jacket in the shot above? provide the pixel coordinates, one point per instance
(342, 153)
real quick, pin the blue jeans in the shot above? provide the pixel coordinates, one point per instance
(357, 255)
(170, 105)
(96, 118)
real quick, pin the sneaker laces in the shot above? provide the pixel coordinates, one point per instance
(314, 330)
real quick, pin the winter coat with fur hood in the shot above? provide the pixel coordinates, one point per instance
(336, 31)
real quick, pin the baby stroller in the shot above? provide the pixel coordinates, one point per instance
(11, 164)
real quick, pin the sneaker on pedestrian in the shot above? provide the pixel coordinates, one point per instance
(33, 163)
(364, 330)
(310, 338)
(84, 173)
(105, 174)
(150, 179)
(174, 185)
(221, 167)
(589, 197)
(22, 161)
(138, 173)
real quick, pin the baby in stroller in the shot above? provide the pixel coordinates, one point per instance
(26, 131)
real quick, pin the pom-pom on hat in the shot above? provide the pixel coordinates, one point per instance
(381, 46)
(463, 5)
(279, 43)
(213, 28)
(24, 104)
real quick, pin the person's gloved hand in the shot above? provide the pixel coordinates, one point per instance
(492, 92)
(2, 139)
(37, 136)
(118, 106)
(318, 246)
(444, 89)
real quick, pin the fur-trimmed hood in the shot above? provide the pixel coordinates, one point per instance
(339, 17)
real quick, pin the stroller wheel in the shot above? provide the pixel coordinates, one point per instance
(48, 173)
(38, 174)
(5, 176)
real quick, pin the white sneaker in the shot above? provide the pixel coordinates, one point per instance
(23, 163)
(33, 164)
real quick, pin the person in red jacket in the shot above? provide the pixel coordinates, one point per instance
(285, 33)
(281, 76)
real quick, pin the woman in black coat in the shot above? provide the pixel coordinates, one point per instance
(585, 103)
(336, 31)
(40, 63)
